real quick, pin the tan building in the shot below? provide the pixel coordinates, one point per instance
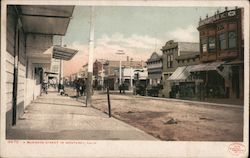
(175, 53)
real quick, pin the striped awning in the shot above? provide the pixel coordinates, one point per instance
(63, 53)
(180, 74)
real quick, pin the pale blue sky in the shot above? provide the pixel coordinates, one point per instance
(138, 31)
(151, 21)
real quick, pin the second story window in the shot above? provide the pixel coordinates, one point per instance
(222, 41)
(232, 39)
(211, 43)
(170, 59)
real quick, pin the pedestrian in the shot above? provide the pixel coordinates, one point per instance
(120, 88)
(82, 87)
(44, 86)
(123, 88)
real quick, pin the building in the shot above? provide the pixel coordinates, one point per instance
(174, 55)
(181, 81)
(154, 67)
(28, 53)
(221, 42)
(111, 71)
(83, 73)
(98, 74)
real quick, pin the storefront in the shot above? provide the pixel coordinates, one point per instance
(199, 81)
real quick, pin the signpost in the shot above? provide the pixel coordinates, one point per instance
(109, 106)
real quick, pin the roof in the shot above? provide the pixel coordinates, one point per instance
(63, 53)
(180, 74)
(182, 46)
(154, 57)
(48, 20)
(206, 66)
(187, 55)
(234, 62)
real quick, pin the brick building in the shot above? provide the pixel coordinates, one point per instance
(221, 40)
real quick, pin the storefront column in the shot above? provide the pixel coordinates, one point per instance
(241, 78)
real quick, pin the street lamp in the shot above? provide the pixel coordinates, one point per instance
(120, 52)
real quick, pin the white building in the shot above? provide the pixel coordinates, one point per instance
(28, 53)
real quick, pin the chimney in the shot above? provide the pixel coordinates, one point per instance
(127, 58)
(225, 8)
(218, 11)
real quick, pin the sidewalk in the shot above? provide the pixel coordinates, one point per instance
(63, 118)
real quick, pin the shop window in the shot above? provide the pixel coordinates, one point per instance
(211, 43)
(222, 41)
(232, 39)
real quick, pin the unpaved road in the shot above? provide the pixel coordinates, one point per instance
(190, 122)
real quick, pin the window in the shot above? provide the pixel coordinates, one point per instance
(211, 43)
(220, 27)
(222, 41)
(232, 39)
(204, 45)
(170, 59)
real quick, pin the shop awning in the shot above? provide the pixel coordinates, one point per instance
(63, 53)
(234, 62)
(49, 72)
(180, 74)
(47, 20)
(205, 67)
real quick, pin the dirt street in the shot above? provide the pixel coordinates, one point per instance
(175, 120)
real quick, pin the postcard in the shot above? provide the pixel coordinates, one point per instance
(124, 78)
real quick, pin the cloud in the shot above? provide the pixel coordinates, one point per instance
(135, 46)
(188, 34)
(133, 41)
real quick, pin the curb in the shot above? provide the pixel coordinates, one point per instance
(184, 101)
(194, 102)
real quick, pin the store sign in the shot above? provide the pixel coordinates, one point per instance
(218, 17)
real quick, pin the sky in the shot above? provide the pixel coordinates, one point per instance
(138, 31)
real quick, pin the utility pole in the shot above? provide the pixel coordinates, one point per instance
(90, 62)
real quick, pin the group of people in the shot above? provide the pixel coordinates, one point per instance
(80, 87)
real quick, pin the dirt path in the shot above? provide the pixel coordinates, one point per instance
(173, 120)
